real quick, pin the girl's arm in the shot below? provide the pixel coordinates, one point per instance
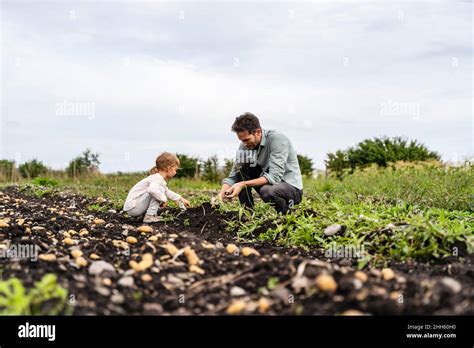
(182, 203)
(157, 191)
(172, 195)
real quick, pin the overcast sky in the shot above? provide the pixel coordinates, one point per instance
(132, 79)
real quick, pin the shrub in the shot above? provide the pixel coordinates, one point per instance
(8, 171)
(32, 169)
(210, 169)
(228, 164)
(189, 166)
(380, 151)
(306, 165)
(86, 163)
(45, 182)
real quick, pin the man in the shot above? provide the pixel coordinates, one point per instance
(265, 161)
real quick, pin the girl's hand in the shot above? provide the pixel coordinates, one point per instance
(185, 201)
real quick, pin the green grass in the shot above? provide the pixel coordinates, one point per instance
(46, 297)
(433, 207)
(449, 188)
(115, 187)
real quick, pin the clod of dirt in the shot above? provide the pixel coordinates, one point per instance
(332, 230)
(452, 284)
(97, 267)
(237, 291)
(126, 281)
(99, 221)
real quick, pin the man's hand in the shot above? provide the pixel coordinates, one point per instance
(221, 195)
(164, 204)
(234, 190)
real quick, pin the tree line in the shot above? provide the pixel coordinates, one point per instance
(379, 151)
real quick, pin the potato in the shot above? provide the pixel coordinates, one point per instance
(231, 248)
(352, 312)
(263, 305)
(190, 254)
(47, 257)
(120, 244)
(131, 240)
(83, 232)
(68, 241)
(147, 278)
(76, 253)
(134, 265)
(171, 249)
(196, 269)
(81, 262)
(326, 283)
(361, 276)
(145, 228)
(236, 307)
(146, 262)
(388, 274)
(249, 251)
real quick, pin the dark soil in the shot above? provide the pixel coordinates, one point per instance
(282, 277)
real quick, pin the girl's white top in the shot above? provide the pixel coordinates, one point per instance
(155, 185)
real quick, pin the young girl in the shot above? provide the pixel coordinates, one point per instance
(150, 193)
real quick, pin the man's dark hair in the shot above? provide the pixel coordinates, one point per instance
(246, 122)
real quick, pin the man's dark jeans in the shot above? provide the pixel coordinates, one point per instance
(282, 195)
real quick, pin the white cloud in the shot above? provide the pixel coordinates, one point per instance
(160, 82)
